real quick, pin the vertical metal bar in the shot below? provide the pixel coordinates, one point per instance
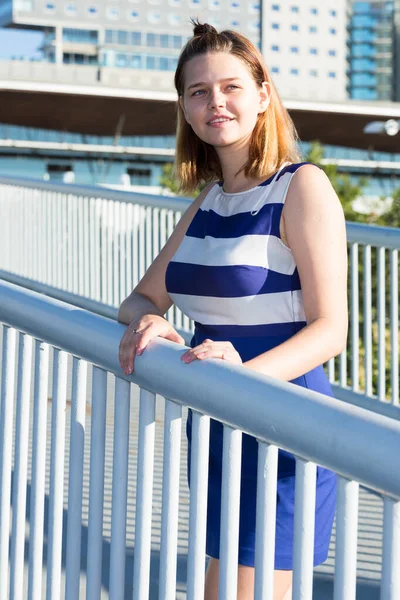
(122, 292)
(129, 249)
(230, 506)
(156, 232)
(170, 500)
(390, 587)
(381, 392)
(142, 241)
(110, 244)
(144, 495)
(53, 588)
(367, 321)
(92, 266)
(96, 483)
(6, 418)
(87, 257)
(266, 521)
(198, 505)
(354, 323)
(135, 245)
(346, 540)
(331, 370)
(21, 465)
(149, 227)
(103, 254)
(38, 470)
(304, 523)
(394, 325)
(119, 489)
(70, 242)
(75, 483)
(116, 234)
(65, 257)
(75, 244)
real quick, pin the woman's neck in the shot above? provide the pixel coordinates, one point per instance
(232, 160)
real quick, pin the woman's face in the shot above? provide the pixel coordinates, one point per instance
(221, 100)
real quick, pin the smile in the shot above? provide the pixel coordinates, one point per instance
(219, 122)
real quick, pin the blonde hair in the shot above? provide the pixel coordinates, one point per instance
(274, 137)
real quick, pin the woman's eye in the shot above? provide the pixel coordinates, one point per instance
(236, 87)
(197, 92)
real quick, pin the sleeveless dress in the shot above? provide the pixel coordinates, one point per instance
(238, 281)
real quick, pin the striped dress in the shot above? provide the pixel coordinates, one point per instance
(238, 281)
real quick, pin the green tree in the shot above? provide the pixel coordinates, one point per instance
(346, 190)
(168, 181)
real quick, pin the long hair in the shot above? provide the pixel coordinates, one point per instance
(274, 137)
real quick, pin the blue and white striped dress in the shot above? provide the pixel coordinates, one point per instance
(238, 281)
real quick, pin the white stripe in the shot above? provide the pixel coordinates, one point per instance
(226, 206)
(265, 251)
(263, 309)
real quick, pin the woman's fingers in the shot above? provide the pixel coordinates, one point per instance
(209, 349)
(136, 338)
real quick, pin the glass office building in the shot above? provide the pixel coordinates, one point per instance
(373, 56)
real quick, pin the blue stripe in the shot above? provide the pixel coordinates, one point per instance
(226, 332)
(233, 281)
(210, 223)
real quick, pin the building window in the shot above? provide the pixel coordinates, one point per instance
(294, 71)
(136, 61)
(139, 176)
(213, 4)
(133, 15)
(122, 37)
(276, 7)
(235, 23)
(163, 63)
(136, 37)
(332, 13)
(50, 7)
(112, 12)
(332, 75)
(275, 25)
(70, 9)
(294, 9)
(151, 62)
(235, 5)
(93, 11)
(275, 48)
(154, 17)
(121, 59)
(331, 52)
(332, 31)
(294, 50)
(313, 51)
(314, 11)
(312, 29)
(174, 19)
(294, 27)
(313, 73)
(109, 38)
(275, 69)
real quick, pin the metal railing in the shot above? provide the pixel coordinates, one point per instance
(362, 447)
(98, 243)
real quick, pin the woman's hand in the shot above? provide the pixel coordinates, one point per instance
(210, 349)
(139, 333)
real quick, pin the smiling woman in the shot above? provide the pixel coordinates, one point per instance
(258, 262)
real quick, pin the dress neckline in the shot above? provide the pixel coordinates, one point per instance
(263, 183)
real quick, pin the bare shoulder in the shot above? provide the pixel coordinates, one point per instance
(310, 193)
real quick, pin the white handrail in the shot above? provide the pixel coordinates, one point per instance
(349, 440)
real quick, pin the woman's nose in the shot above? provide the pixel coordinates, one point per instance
(216, 98)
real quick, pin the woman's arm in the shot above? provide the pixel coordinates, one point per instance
(316, 233)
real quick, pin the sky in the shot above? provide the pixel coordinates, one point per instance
(17, 42)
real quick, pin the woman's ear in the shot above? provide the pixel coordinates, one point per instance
(181, 103)
(265, 96)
